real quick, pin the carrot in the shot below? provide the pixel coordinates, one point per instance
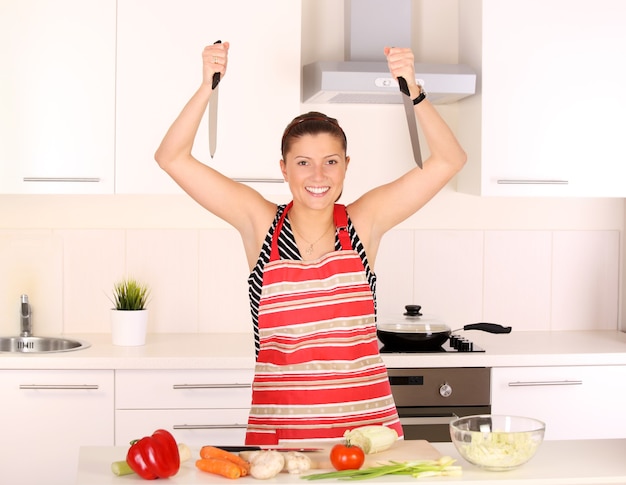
(215, 452)
(219, 466)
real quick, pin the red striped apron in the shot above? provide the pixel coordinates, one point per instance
(318, 370)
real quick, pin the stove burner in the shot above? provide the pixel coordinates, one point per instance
(455, 343)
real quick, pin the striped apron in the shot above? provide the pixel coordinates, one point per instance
(318, 371)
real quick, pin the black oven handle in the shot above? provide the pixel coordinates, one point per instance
(427, 420)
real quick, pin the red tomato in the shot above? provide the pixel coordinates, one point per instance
(345, 457)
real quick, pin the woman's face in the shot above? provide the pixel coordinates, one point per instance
(315, 169)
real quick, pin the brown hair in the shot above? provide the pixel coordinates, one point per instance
(311, 123)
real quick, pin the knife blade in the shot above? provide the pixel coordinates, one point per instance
(213, 111)
(410, 118)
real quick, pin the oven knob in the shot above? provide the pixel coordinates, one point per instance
(445, 390)
(466, 346)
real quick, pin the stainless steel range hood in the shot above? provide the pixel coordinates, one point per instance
(370, 25)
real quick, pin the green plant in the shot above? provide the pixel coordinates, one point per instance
(129, 294)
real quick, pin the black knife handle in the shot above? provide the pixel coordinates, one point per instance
(404, 87)
(237, 449)
(216, 76)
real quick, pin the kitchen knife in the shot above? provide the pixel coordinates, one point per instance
(236, 449)
(213, 111)
(410, 118)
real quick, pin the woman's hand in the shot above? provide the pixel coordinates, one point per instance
(401, 63)
(214, 59)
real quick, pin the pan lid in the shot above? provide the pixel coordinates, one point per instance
(413, 321)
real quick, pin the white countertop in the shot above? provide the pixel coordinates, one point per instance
(556, 462)
(236, 351)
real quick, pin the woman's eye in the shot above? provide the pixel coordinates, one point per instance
(302, 162)
(332, 162)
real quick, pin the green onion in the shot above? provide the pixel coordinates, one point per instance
(421, 468)
(121, 468)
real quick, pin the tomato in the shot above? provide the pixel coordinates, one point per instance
(344, 457)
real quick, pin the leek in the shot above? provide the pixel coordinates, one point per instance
(443, 467)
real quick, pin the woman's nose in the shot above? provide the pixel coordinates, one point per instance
(318, 171)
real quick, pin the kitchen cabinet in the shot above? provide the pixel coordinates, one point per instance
(46, 416)
(57, 96)
(198, 407)
(546, 119)
(159, 67)
(575, 402)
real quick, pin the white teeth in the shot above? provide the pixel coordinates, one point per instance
(318, 190)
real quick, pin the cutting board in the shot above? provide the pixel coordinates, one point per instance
(402, 450)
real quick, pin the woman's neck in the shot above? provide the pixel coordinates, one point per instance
(311, 221)
(314, 231)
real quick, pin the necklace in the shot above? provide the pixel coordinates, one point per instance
(309, 250)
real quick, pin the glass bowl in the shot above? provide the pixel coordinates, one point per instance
(497, 442)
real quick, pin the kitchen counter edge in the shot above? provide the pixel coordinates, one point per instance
(236, 351)
(575, 462)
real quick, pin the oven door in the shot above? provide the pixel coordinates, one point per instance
(433, 424)
(428, 399)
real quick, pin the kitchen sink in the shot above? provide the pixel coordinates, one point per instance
(40, 344)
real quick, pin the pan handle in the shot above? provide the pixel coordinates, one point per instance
(487, 327)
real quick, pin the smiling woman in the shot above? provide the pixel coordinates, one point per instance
(314, 164)
(312, 284)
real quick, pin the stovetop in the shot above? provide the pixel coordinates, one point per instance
(455, 343)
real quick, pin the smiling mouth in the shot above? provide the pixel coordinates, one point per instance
(317, 190)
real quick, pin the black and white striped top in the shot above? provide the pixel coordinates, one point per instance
(288, 249)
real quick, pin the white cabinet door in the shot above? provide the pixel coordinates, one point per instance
(551, 98)
(198, 407)
(57, 96)
(46, 417)
(574, 402)
(194, 427)
(160, 45)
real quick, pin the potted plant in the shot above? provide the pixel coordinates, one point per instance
(129, 316)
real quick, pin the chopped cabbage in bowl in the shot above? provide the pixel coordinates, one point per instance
(497, 442)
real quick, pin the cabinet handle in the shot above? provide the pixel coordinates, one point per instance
(210, 426)
(212, 386)
(61, 179)
(428, 420)
(532, 182)
(544, 383)
(253, 180)
(55, 387)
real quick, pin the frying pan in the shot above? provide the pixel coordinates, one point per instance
(419, 332)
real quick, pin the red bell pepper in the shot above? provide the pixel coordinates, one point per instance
(154, 456)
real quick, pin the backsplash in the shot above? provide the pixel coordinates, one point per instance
(530, 280)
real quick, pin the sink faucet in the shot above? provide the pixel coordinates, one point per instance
(26, 326)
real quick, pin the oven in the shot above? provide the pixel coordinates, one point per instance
(427, 399)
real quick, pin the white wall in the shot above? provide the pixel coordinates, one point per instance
(45, 239)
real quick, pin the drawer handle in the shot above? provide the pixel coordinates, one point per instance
(61, 179)
(56, 387)
(531, 182)
(212, 386)
(415, 421)
(544, 383)
(210, 426)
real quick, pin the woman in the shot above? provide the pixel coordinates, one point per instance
(312, 284)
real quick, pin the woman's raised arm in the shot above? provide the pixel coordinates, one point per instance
(235, 203)
(384, 207)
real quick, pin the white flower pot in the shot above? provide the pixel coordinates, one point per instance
(129, 327)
